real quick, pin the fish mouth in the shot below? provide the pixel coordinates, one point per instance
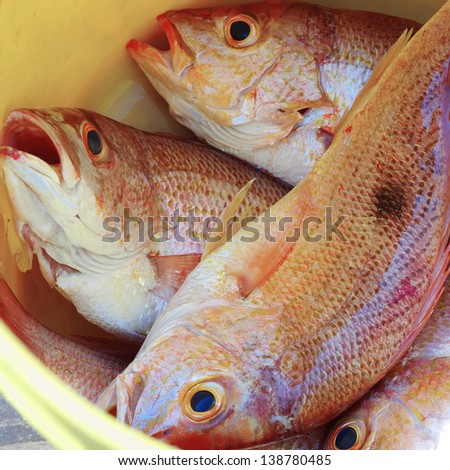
(231, 126)
(29, 159)
(42, 193)
(22, 134)
(176, 60)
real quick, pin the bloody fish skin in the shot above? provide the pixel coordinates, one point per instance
(410, 407)
(302, 72)
(85, 370)
(151, 175)
(310, 327)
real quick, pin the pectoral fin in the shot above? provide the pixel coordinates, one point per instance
(171, 272)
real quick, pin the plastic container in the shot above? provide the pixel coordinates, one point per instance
(73, 54)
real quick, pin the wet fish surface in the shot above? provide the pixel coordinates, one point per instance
(268, 83)
(85, 370)
(271, 338)
(410, 407)
(102, 206)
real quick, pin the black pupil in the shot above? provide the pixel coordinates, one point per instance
(202, 401)
(346, 438)
(94, 142)
(240, 30)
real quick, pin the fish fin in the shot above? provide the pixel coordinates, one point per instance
(113, 347)
(172, 271)
(108, 398)
(263, 256)
(364, 95)
(226, 216)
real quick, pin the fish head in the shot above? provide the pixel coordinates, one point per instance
(240, 77)
(199, 384)
(410, 412)
(64, 173)
(377, 423)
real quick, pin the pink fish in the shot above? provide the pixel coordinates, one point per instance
(270, 338)
(102, 205)
(85, 370)
(267, 82)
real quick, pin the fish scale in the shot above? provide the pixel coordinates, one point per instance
(285, 365)
(150, 175)
(278, 98)
(410, 407)
(84, 369)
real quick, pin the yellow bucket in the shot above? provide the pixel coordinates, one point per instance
(73, 54)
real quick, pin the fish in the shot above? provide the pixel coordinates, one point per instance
(410, 407)
(84, 369)
(107, 209)
(279, 331)
(268, 83)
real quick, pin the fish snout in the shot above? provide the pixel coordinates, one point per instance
(31, 136)
(117, 399)
(151, 59)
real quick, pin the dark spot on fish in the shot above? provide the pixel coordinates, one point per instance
(304, 112)
(390, 200)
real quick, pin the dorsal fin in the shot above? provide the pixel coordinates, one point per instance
(377, 73)
(226, 215)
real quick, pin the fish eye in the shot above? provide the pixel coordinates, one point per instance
(93, 141)
(204, 401)
(348, 436)
(241, 31)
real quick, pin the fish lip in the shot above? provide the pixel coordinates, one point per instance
(176, 60)
(25, 133)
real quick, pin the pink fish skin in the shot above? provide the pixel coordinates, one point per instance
(62, 195)
(276, 97)
(85, 370)
(269, 339)
(410, 407)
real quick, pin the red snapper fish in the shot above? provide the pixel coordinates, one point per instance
(102, 205)
(277, 333)
(267, 82)
(410, 407)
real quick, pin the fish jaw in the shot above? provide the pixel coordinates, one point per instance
(58, 218)
(228, 130)
(154, 392)
(233, 118)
